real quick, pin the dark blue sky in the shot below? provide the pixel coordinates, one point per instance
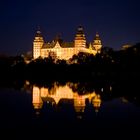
(117, 21)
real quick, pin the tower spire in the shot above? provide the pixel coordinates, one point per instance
(38, 33)
(80, 40)
(37, 44)
(97, 45)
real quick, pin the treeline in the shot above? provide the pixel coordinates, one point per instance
(108, 64)
(119, 70)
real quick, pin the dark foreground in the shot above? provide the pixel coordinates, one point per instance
(117, 117)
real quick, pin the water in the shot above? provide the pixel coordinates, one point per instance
(68, 111)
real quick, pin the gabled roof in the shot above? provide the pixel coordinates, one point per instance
(63, 45)
(49, 45)
(67, 44)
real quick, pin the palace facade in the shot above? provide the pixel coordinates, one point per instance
(65, 50)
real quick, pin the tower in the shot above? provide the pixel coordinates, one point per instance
(96, 101)
(37, 45)
(80, 40)
(36, 98)
(97, 45)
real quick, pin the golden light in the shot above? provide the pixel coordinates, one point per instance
(65, 50)
(63, 92)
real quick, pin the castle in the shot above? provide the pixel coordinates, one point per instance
(65, 50)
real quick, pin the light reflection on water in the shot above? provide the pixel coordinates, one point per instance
(58, 94)
(67, 107)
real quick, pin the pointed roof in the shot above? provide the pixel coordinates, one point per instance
(97, 37)
(38, 33)
(80, 30)
(80, 33)
(49, 45)
(63, 44)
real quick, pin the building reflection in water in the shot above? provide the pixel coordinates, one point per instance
(62, 93)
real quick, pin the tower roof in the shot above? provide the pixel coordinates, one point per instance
(97, 37)
(38, 33)
(80, 30)
(80, 34)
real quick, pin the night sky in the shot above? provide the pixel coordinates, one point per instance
(117, 22)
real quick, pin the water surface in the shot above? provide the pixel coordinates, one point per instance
(68, 110)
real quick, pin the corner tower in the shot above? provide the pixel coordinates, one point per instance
(80, 40)
(97, 45)
(37, 45)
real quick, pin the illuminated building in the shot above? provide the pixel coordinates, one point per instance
(65, 50)
(125, 47)
(97, 43)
